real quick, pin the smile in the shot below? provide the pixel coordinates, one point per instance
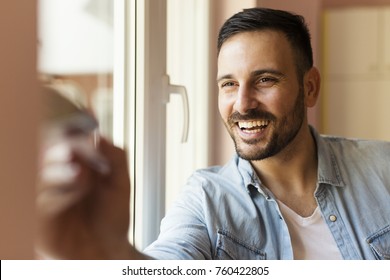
(253, 126)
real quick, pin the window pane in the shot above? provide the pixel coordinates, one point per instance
(76, 53)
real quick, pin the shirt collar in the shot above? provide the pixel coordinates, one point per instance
(328, 169)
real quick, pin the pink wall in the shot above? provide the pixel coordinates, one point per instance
(312, 11)
(344, 3)
(19, 104)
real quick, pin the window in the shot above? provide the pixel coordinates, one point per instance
(141, 65)
(77, 55)
(163, 56)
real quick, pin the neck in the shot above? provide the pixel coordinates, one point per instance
(291, 175)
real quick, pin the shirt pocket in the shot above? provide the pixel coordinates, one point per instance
(380, 243)
(230, 247)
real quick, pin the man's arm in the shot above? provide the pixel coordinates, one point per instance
(83, 202)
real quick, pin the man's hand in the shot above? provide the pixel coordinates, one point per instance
(83, 201)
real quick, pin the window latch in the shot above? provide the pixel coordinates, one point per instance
(182, 91)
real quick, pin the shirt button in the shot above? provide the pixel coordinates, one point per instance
(332, 218)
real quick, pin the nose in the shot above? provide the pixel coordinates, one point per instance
(246, 100)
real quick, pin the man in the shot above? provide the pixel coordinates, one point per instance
(289, 193)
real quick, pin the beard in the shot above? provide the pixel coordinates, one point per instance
(283, 130)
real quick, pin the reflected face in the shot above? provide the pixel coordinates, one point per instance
(261, 100)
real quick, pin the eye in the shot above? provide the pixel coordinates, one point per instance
(228, 84)
(266, 81)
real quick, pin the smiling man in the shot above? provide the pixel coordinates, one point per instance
(287, 193)
(261, 98)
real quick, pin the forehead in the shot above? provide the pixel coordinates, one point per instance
(255, 50)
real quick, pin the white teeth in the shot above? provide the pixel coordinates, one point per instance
(251, 124)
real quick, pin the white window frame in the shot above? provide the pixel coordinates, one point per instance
(141, 94)
(139, 109)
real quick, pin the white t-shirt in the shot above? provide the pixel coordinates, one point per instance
(310, 236)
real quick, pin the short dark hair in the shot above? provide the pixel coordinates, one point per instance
(292, 25)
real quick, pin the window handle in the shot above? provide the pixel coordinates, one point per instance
(177, 89)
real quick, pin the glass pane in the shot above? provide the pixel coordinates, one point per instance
(76, 54)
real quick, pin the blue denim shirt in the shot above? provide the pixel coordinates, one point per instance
(225, 213)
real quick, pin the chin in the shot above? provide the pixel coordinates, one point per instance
(252, 157)
(252, 153)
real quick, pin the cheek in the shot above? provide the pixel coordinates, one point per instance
(273, 102)
(225, 106)
(281, 102)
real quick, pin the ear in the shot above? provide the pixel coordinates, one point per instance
(312, 83)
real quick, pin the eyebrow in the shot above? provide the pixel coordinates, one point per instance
(267, 71)
(254, 74)
(224, 77)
